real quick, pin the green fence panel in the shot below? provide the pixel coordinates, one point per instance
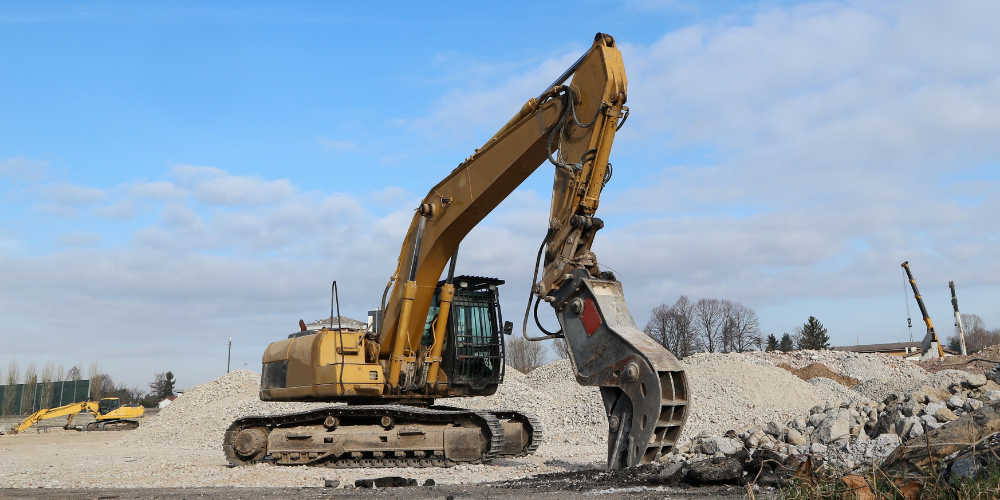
(53, 395)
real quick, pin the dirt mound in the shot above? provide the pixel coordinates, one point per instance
(968, 363)
(816, 370)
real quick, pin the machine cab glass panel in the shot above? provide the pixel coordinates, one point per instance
(108, 405)
(473, 346)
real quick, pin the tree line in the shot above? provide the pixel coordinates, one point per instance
(708, 325)
(811, 335)
(102, 385)
(977, 336)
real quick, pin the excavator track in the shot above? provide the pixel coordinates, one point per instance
(381, 436)
(533, 435)
(116, 425)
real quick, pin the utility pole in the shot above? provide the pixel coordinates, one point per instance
(229, 357)
(958, 317)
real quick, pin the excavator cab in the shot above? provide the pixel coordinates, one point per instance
(473, 356)
(108, 405)
(473, 353)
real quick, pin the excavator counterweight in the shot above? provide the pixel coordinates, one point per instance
(440, 338)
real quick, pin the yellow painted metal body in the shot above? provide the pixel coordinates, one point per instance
(327, 364)
(122, 412)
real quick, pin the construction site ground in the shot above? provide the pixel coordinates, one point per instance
(752, 399)
(94, 465)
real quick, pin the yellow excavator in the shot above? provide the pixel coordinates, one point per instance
(439, 335)
(109, 413)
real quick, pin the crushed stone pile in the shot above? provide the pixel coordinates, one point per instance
(879, 375)
(570, 413)
(198, 418)
(729, 393)
(856, 432)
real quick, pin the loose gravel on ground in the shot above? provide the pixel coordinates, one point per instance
(181, 446)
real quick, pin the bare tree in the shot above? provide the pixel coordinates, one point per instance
(13, 378)
(561, 348)
(710, 322)
(673, 327)
(48, 373)
(128, 395)
(97, 378)
(977, 336)
(524, 355)
(28, 395)
(74, 374)
(742, 328)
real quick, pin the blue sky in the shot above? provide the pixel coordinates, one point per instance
(175, 174)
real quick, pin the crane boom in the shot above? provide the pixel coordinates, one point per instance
(931, 338)
(958, 318)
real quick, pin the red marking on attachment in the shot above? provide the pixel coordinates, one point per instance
(591, 320)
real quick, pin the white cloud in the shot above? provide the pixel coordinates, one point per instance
(78, 239)
(21, 169)
(215, 186)
(72, 195)
(337, 145)
(157, 190)
(478, 111)
(121, 210)
(53, 210)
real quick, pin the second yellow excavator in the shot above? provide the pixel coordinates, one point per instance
(109, 414)
(442, 338)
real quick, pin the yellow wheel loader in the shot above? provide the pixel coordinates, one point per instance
(439, 336)
(109, 413)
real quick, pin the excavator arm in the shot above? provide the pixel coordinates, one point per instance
(571, 126)
(70, 409)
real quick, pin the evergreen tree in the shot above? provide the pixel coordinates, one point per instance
(814, 335)
(786, 344)
(162, 386)
(772, 343)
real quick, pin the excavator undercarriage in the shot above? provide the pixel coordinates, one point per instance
(382, 436)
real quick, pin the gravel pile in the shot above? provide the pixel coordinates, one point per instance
(729, 393)
(879, 374)
(570, 413)
(197, 419)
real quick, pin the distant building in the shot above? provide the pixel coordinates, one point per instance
(166, 401)
(906, 350)
(345, 322)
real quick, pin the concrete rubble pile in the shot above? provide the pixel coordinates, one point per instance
(845, 435)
